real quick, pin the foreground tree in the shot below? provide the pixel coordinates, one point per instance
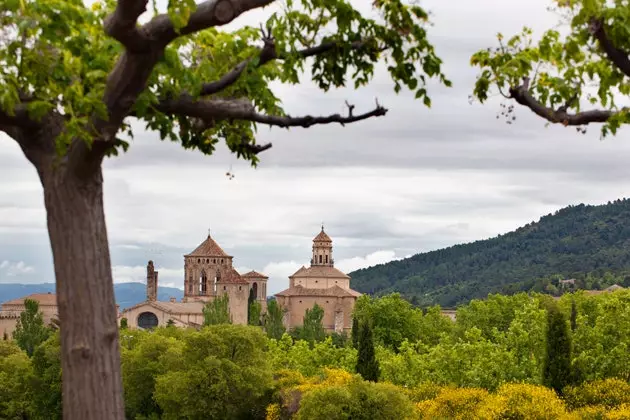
(73, 76)
(556, 76)
(30, 330)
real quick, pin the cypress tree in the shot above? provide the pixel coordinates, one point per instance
(557, 368)
(367, 365)
(355, 332)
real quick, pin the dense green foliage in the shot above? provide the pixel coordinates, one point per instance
(312, 329)
(489, 363)
(572, 241)
(217, 311)
(30, 330)
(273, 320)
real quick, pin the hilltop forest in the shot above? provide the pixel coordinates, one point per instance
(588, 243)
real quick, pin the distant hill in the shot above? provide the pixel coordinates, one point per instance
(127, 294)
(571, 242)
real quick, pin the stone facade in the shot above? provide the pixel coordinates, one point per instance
(208, 274)
(320, 284)
(11, 310)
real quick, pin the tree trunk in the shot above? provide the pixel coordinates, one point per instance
(90, 355)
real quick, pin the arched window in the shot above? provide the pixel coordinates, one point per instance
(255, 289)
(203, 286)
(147, 320)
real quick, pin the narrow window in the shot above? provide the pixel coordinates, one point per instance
(320, 259)
(326, 259)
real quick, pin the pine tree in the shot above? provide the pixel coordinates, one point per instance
(367, 365)
(30, 330)
(355, 332)
(557, 369)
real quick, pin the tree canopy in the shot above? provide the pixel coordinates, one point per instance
(188, 80)
(575, 74)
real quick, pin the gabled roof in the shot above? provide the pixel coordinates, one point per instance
(172, 308)
(208, 248)
(334, 291)
(44, 299)
(231, 276)
(255, 274)
(322, 237)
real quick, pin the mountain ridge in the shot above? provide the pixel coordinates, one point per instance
(574, 241)
(127, 294)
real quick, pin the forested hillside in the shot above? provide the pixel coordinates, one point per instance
(589, 243)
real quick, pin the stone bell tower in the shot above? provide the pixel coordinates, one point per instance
(322, 250)
(152, 282)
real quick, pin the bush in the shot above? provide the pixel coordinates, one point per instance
(358, 400)
(453, 403)
(609, 393)
(522, 401)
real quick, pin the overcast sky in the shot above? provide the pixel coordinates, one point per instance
(416, 180)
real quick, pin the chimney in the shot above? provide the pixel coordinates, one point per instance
(152, 279)
(172, 299)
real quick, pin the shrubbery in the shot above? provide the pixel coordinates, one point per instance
(488, 364)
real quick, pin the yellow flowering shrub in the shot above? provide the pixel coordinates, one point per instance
(522, 401)
(607, 392)
(619, 413)
(273, 412)
(423, 392)
(452, 403)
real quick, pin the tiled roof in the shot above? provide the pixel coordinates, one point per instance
(208, 248)
(180, 307)
(255, 274)
(322, 237)
(231, 276)
(44, 299)
(334, 291)
(320, 271)
(170, 307)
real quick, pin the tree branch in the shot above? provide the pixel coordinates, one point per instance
(122, 25)
(143, 48)
(522, 96)
(269, 53)
(207, 14)
(242, 109)
(617, 56)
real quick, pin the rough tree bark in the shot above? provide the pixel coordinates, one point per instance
(73, 197)
(85, 295)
